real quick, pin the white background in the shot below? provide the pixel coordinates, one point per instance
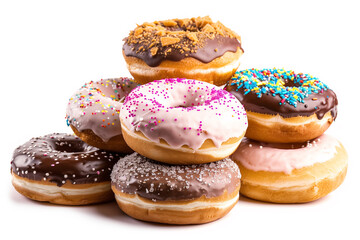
(48, 49)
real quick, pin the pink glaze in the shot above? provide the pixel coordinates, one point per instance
(273, 157)
(96, 106)
(184, 112)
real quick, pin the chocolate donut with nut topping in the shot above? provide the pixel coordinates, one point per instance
(195, 48)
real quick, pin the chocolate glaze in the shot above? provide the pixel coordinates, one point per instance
(315, 103)
(61, 157)
(205, 53)
(136, 174)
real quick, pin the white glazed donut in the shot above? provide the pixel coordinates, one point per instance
(93, 113)
(182, 121)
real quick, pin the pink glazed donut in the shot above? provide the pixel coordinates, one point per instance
(93, 113)
(291, 173)
(182, 121)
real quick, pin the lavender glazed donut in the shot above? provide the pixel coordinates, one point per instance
(60, 168)
(291, 173)
(182, 121)
(175, 194)
(93, 113)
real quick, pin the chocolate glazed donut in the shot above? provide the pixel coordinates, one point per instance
(62, 169)
(195, 48)
(284, 106)
(222, 44)
(181, 194)
(315, 103)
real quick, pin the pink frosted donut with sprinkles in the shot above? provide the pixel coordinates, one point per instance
(284, 106)
(93, 113)
(182, 121)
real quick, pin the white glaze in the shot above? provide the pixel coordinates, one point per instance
(184, 112)
(96, 106)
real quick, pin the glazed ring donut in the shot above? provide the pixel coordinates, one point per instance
(291, 173)
(182, 121)
(195, 48)
(93, 113)
(60, 168)
(175, 194)
(283, 106)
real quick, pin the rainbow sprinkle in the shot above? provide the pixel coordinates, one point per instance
(274, 81)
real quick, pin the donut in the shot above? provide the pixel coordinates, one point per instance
(93, 113)
(175, 194)
(284, 106)
(60, 168)
(182, 121)
(195, 48)
(293, 172)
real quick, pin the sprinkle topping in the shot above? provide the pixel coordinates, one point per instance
(291, 87)
(136, 174)
(61, 157)
(96, 106)
(184, 112)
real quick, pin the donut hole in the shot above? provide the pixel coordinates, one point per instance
(198, 97)
(289, 83)
(189, 102)
(70, 146)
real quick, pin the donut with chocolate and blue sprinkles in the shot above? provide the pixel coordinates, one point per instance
(276, 97)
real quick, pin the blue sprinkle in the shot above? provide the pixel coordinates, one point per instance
(252, 80)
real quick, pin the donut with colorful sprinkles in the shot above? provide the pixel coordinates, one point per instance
(284, 106)
(182, 121)
(61, 169)
(93, 113)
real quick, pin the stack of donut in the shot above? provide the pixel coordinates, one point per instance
(286, 157)
(171, 150)
(180, 172)
(181, 131)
